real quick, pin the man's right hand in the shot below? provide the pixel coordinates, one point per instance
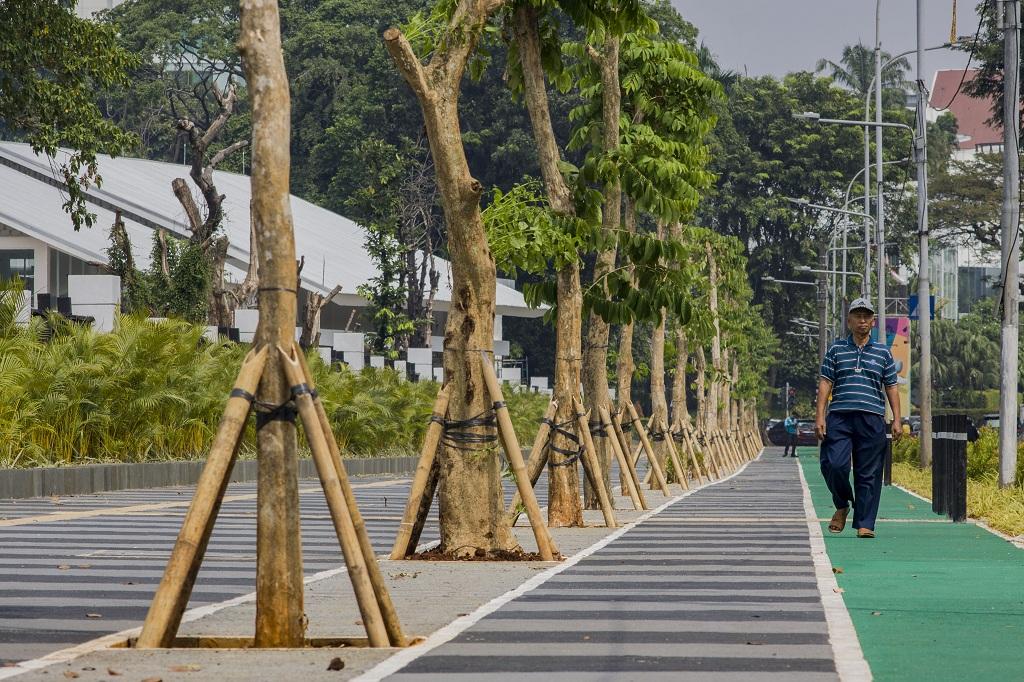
(819, 429)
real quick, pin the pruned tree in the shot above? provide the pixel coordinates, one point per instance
(205, 226)
(472, 511)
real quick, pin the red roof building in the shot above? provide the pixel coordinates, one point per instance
(975, 134)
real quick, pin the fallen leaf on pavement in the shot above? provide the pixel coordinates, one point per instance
(94, 615)
(336, 664)
(70, 674)
(838, 590)
(876, 613)
(836, 569)
(153, 679)
(63, 567)
(112, 672)
(187, 668)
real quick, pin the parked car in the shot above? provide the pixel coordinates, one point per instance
(804, 433)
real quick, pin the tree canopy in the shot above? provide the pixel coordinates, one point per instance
(51, 63)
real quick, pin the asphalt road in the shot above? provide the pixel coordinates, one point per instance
(86, 566)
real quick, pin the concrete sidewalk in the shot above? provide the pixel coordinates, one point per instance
(721, 584)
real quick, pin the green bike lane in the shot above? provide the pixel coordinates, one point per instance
(930, 600)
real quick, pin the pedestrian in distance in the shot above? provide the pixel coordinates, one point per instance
(791, 433)
(859, 374)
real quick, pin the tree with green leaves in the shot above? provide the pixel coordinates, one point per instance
(658, 181)
(856, 70)
(51, 65)
(473, 518)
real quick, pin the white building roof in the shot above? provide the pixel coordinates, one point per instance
(31, 203)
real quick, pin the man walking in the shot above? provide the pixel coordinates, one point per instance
(859, 374)
(790, 424)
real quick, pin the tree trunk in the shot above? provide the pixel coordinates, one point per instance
(680, 414)
(563, 492)
(280, 621)
(725, 416)
(595, 354)
(713, 398)
(310, 336)
(659, 406)
(471, 504)
(702, 411)
(624, 362)
(734, 409)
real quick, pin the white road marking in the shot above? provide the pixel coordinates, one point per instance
(850, 662)
(459, 625)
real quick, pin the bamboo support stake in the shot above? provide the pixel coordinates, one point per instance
(171, 598)
(592, 466)
(723, 441)
(344, 527)
(706, 462)
(630, 466)
(680, 471)
(632, 488)
(545, 545)
(404, 542)
(538, 458)
(723, 452)
(709, 453)
(703, 475)
(387, 607)
(659, 475)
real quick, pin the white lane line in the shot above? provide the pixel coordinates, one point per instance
(459, 625)
(850, 662)
(117, 638)
(1017, 541)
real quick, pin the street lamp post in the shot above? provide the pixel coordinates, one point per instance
(822, 332)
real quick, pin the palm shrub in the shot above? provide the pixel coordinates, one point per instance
(156, 390)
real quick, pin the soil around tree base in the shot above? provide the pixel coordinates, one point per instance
(480, 555)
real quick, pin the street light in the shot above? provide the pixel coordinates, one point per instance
(808, 268)
(769, 278)
(878, 125)
(816, 117)
(821, 207)
(822, 340)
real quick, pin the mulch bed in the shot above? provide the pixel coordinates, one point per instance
(479, 555)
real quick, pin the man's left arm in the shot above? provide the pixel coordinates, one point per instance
(892, 393)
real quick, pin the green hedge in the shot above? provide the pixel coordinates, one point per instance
(982, 455)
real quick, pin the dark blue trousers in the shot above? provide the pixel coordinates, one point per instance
(856, 438)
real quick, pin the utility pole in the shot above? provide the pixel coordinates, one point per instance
(1010, 23)
(822, 298)
(924, 308)
(883, 334)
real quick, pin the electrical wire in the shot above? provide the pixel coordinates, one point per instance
(970, 58)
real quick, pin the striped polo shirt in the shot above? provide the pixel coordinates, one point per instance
(858, 375)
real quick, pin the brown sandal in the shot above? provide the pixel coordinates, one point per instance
(865, 533)
(838, 522)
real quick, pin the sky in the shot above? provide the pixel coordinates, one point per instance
(775, 37)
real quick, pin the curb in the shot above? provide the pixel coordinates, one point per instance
(99, 478)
